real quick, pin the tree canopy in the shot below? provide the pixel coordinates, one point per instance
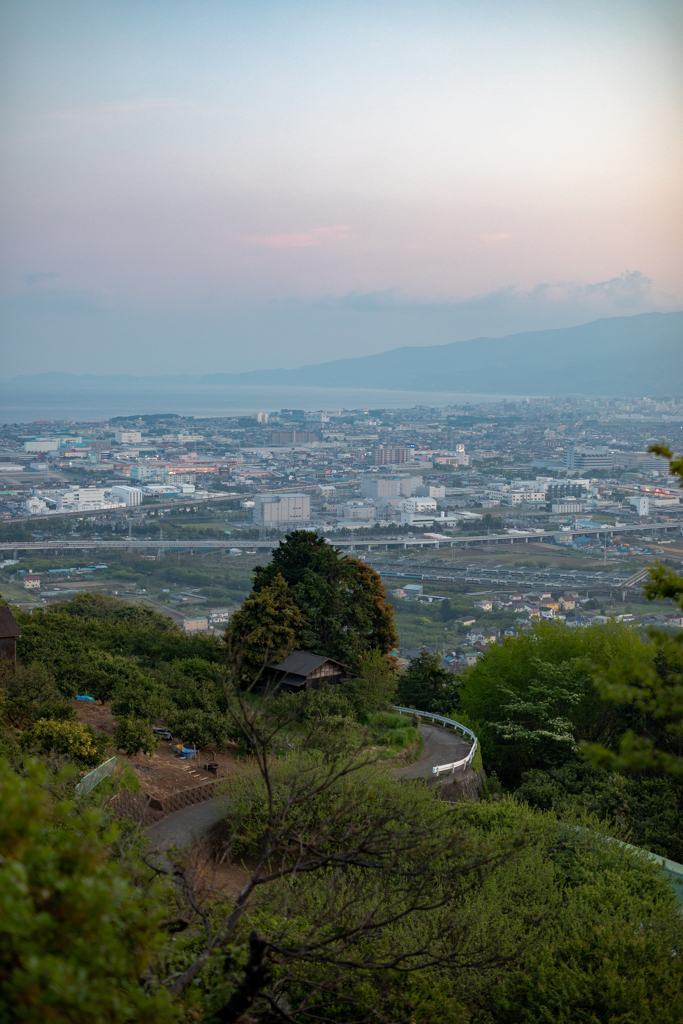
(343, 601)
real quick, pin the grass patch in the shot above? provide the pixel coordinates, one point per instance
(392, 730)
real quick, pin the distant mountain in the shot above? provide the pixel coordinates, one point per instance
(631, 356)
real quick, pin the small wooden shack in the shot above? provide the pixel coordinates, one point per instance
(9, 631)
(301, 671)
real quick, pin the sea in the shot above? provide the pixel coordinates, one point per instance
(27, 405)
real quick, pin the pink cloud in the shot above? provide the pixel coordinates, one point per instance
(316, 236)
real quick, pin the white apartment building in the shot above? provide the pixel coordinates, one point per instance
(519, 496)
(127, 436)
(288, 509)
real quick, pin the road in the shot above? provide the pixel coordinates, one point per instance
(441, 746)
(460, 540)
(183, 827)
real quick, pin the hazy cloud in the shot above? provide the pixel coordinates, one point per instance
(315, 236)
(40, 277)
(109, 114)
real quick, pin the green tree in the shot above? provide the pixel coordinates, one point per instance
(652, 686)
(201, 728)
(508, 689)
(426, 686)
(135, 736)
(375, 685)
(342, 599)
(266, 628)
(645, 809)
(30, 694)
(78, 931)
(140, 698)
(535, 726)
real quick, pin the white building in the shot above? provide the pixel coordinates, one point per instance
(430, 492)
(80, 499)
(567, 506)
(640, 504)
(128, 495)
(42, 444)
(507, 495)
(418, 505)
(86, 499)
(127, 436)
(416, 519)
(372, 486)
(281, 508)
(357, 510)
(34, 505)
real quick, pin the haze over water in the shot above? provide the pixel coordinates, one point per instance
(214, 401)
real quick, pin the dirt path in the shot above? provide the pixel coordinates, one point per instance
(441, 747)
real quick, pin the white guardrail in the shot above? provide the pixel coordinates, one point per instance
(446, 722)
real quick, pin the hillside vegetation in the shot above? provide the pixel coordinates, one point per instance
(365, 898)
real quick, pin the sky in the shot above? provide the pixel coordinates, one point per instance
(209, 185)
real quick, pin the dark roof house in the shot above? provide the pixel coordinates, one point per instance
(9, 631)
(301, 671)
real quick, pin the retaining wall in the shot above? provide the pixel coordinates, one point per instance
(147, 809)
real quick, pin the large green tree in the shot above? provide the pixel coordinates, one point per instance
(426, 686)
(343, 600)
(532, 701)
(652, 686)
(266, 628)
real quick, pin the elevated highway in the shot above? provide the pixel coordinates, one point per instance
(602, 531)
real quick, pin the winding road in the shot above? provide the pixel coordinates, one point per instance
(441, 746)
(182, 828)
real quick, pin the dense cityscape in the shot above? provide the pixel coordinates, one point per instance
(453, 497)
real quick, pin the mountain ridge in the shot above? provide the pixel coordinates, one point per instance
(630, 355)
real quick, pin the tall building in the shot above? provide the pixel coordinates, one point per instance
(390, 456)
(273, 509)
(127, 436)
(578, 458)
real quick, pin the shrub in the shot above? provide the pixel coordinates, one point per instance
(77, 930)
(77, 742)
